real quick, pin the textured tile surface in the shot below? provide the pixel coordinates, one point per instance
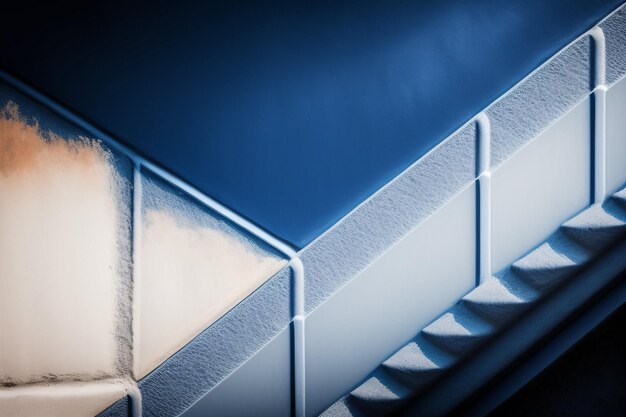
(64, 251)
(550, 92)
(216, 352)
(356, 329)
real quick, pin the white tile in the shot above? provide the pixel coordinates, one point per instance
(541, 186)
(194, 267)
(616, 137)
(390, 301)
(59, 255)
(59, 400)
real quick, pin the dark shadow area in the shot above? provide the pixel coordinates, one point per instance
(588, 380)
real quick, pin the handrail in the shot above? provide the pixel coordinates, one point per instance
(483, 201)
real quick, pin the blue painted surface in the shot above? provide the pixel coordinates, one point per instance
(289, 113)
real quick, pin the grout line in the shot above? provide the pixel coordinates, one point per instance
(134, 395)
(136, 259)
(298, 342)
(598, 116)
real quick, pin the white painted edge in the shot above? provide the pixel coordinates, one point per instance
(298, 341)
(599, 56)
(484, 198)
(484, 227)
(599, 143)
(136, 259)
(134, 394)
(484, 142)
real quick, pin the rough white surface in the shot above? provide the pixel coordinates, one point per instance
(614, 29)
(59, 400)
(535, 103)
(616, 137)
(193, 269)
(541, 186)
(58, 255)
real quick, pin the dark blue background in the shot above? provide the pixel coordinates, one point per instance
(291, 113)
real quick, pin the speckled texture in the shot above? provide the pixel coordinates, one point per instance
(219, 350)
(120, 185)
(538, 101)
(371, 228)
(614, 29)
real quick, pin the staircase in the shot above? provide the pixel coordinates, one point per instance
(486, 310)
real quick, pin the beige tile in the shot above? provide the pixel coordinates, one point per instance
(194, 267)
(58, 255)
(60, 400)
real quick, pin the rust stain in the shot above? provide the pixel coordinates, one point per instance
(24, 147)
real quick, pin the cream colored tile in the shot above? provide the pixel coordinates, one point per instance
(193, 268)
(59, 400)
(58, 254)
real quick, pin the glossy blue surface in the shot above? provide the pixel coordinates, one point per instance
(290, 113)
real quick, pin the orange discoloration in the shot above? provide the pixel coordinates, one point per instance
(25, 148)
(59, 254)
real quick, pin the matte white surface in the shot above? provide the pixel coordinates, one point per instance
(58, 255)
(390, 301)
(616, 136)
(59, 400)
(545, 183)
(259, 387)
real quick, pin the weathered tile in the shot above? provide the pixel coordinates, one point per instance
(193, 267)
(64, 251)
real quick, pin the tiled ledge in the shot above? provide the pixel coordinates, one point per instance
(330, 262)
(516, 118)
